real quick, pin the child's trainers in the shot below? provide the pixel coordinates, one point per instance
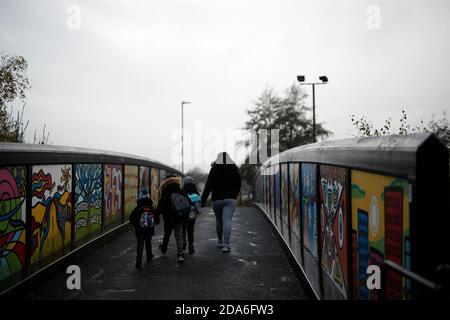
(219, 243)
(180, 259)
(226, 248)
(163, 252)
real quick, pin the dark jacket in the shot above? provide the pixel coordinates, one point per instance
(224, 182)
(165, 208)
(134, 217)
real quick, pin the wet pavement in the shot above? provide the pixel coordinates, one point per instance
(256, 268)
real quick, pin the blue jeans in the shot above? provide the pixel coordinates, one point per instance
(224, 210)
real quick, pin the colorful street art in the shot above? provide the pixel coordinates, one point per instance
(380, 222)
(294, 199)
(88, 200)
(112, 194)
(271, 194)
(333, 232)
(51, 211)
(162, 174)
(155, 186)
(276, 177)
(309, 207)
(12, 221)
(130, 189)
(285, 200)
(144, 178)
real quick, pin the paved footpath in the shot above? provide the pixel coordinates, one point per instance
(256, 267)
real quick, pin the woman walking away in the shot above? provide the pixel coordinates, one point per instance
(224, 182)
(190, 189)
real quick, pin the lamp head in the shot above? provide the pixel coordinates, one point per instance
(301, 78)
(323, 79)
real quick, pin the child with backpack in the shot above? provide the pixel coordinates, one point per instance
(190, 189)
(142, 218)
(174, 205)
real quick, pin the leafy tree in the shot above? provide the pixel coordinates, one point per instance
(440, 127)
(199, 176)
(288, 114)
(13, 88)
(366, 128)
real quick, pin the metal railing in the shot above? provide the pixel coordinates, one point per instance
(421, 287)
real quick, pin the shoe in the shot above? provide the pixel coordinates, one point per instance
(163, 252)
(180, 259)
(219, 244)
(191, 249)
(149, 259)
(226, 248)
(184, 245)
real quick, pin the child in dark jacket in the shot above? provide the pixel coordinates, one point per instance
(190, 189)
(173, 221)
(142, 218)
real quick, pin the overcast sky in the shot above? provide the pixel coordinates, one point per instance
(117, 81)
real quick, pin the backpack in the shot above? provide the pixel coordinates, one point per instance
(180, 204)
(146, 218)
(197, 201)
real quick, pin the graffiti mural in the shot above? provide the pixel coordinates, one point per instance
(144, 178)
(155, 185)
(162, 174)
(51, 211)
(333, 226)
(380, 222)
(294, 199)
(285, 200)
(112, 194)
(271, 194)
(309, 207)
(88, 200)
(12, 221)
(276, 177)
(130, 189)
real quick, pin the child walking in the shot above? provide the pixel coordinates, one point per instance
(190, 189)
(173, 205)
(142, 218)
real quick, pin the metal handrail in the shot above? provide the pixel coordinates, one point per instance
(439, 290)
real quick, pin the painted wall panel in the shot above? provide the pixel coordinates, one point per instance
(272, 193)
(130, 189)
(294, 199)
(12, 221)
(380, 219)
(333, 229)
(162, 174)
(112, 193)
(51, 211)
(155, 186)
(88, 200)
(144, 179)
(285, 201)
(277, 197)
(309, 207)
(308, 186)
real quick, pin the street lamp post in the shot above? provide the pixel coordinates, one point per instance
(182, 134)
(324, 80)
